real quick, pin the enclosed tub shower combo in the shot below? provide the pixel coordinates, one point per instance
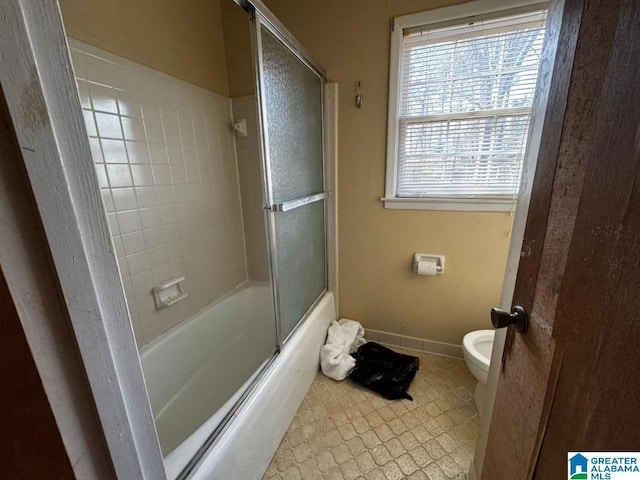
(219, 210)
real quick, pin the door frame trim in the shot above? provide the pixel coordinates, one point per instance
(35, 292)
(45, 109)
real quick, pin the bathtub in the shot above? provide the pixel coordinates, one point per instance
(178, 367)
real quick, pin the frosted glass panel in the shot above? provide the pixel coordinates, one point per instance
(300, 237)
(293, 105)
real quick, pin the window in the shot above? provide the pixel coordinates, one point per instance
(460, 101)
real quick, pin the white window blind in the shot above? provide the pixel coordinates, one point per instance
(464, 106)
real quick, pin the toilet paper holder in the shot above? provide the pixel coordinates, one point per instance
(425, 257)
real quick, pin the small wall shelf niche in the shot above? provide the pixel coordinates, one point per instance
(168, 293)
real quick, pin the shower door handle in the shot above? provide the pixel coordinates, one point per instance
(296, 203)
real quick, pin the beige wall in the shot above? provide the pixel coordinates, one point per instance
(351, 40)
(237, 44)
(182, 39)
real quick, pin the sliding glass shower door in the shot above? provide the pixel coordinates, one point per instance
(291, 115)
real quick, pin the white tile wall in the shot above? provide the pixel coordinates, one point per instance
(165, 160)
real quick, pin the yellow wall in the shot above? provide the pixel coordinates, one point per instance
(181, 38)
(237, 42)
(351, 40)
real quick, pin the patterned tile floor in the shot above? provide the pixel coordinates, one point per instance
(343, 431)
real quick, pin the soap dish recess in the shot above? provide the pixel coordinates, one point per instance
(168, 293)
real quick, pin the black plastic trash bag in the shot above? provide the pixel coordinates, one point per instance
(384, 371)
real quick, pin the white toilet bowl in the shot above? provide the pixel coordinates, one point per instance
(476, 347)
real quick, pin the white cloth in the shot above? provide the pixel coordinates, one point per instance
(344, 337)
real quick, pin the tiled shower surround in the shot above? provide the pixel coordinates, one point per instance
(165, 159)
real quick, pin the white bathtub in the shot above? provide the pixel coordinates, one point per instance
(179, 368)
(193, 369)
(247, 446)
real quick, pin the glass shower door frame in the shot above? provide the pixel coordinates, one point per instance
(260, 16)
(272, 208)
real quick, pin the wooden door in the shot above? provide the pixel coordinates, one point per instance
(570, 383)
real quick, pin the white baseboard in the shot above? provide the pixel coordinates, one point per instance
(413, 343)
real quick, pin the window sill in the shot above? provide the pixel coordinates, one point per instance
(450, 204)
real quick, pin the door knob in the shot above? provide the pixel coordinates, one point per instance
(518, 317)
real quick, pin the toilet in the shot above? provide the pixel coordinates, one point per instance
(476, 347)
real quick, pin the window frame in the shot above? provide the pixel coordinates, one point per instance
(439, 18)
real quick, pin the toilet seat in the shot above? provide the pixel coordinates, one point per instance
(477, 347)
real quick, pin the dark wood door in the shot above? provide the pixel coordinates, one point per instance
(570, 383)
